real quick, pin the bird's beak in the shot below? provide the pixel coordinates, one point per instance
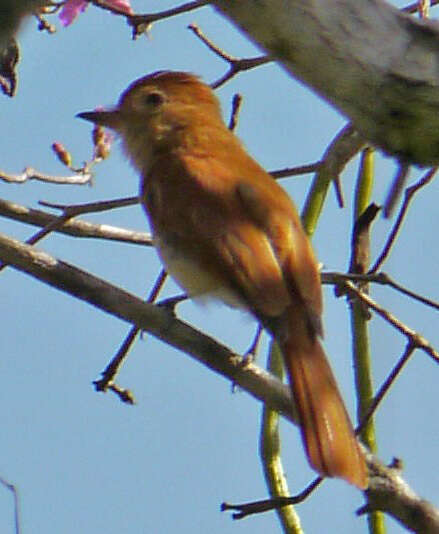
(111, 119)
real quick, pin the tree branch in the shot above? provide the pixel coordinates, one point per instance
(80, 178)
(391, 494)
(145, 316)
(346, 48)
(74, 227)
(387, 491)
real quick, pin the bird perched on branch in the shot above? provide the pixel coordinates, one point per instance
(225, 229)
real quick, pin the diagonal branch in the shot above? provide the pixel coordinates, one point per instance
(342, 49)
(236, 65)
(387, 492)
(414, 337)
(146, 316)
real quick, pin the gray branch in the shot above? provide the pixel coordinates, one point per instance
(79, 178)
(387, 491)
(148, 317)
(73, 227)
(379, 67)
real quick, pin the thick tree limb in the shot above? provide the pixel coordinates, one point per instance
(391, 494)
(376, 65)
(148, 317)
(387, 492)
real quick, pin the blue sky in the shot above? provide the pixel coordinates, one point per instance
(82, 461)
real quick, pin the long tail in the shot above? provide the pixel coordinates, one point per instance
(327, 433)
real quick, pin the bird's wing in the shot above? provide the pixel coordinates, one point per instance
(246, 230)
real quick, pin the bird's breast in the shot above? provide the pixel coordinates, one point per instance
(199, 282)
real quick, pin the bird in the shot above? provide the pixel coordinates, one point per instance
(224, 229)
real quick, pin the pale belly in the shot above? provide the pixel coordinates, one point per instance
(199, 284)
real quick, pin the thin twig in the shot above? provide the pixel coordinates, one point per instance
(296, 171)
(74, 227)
(385, 279)
(140, 23)
(251, 352)
(81, 178)
(43, 24)
(57, 223)
(410, 348)
(14, 491)
(408, 195)
(70, 211)
(108, 375)
(257, 507)
(92, 207)
(378, 278)
(417, 340)
(148, 18)
(236, 65)
(413, 8)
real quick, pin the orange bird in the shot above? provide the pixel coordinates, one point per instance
(225, 229)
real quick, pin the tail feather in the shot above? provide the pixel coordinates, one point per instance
(327, 433)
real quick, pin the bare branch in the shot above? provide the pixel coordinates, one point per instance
(149, 18)
(109, 374)
(378, 278)
(14, 492)
(410, 348)
(92, 207)
(257, 507)
(414, 337)
(387, 491)
(345, 48)
(141, 23)
(75, 227)
(236, 65)
(70, 211)
(391, 494)
(153, 319)
(296, 171)
(408, 195)
(43, 24)
(385, 279)
(80, 178)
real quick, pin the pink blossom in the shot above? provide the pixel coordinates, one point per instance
(71, 10)
(121, 5)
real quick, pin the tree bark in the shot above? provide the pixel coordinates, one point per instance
(378, 66)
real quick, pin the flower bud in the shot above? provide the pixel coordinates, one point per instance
(62, 154)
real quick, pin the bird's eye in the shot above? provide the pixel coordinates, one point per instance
(153, 99)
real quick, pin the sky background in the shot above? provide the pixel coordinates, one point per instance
(85, 462)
